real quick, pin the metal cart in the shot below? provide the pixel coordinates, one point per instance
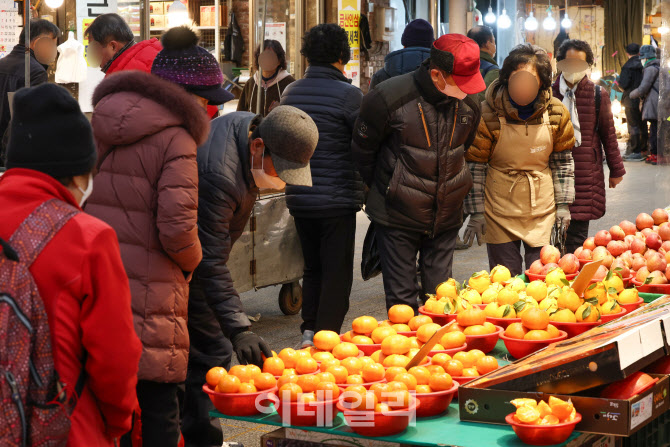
(268, 253)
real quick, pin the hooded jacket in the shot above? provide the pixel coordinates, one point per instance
(409, 142)
(648, 90)
(598, 133)
(139, 56)
(271, 92)
(630, 79)
(81, 280)
(227, 196)
(147, 131)
(400, 62)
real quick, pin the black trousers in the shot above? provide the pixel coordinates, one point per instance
(577, 233)
(653, 136)
(328, 249)
(160, 414)
(209, 348)
(509, 255)
(637, 128)
(398, 251)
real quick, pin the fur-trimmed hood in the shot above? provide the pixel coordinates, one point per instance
(132, 105)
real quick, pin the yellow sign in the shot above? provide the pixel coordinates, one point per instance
(348, 17)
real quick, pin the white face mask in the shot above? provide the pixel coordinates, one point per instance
(264, 180)
(88, 192)
(574, 78)
(452, 90)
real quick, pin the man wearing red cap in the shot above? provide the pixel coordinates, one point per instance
(409, 143)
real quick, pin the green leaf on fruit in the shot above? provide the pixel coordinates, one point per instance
(586, 313)
(592, 286)
(612, 291)
(648, 280)
(508, 310)
(618, 269)
(609, 276)
(565, 282)
(592, 301)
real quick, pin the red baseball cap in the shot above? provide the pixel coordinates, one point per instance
(459, 56)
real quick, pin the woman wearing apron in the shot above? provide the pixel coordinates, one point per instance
(521, 162)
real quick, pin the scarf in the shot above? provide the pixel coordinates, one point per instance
(570, 103)
(526, 111)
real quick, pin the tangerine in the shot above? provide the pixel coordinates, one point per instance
(537, 334)
(290, 392)
(395, 344)
(560, 408)
(307, 366)
(452, 340)
(326, 377)
(426, 331)
(465, 358)
(323, 355)
(528, 415)
(362, 340)
(418, 321)
(274, 366)
(563, 316)
(408, 379)
(478, 329)
(373, 373)
(340, 373)
(242, 372)
(393, 371)
(325, 364)
(229, 384)
(401, 328)
(344, 350)
(587, 312)
(214, 375)
(549, 419)
(470, 372)
(553, 331)
(246, 388)
(353, 393)
(440, 382)
(379, 389)
(544, 409)
(440, 359)
(421, 373)
(307, 398)
(454, 368)
(423, 389)
(326, 340)
(535, 319)
(471, 317)
(355, 379)
(486, 364)
(435, 369)
(327, 391)
(348, 336)
(352, 364)
(289, 356)
(265, 381)
(398, 399)
(308, 382)
(516, 330)
(490, 327)
(396, 360)
(283, 380)
(364, 325)
(379, 334)
(253, 371)
(400, 313)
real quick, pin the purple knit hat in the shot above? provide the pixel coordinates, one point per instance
(184, 62)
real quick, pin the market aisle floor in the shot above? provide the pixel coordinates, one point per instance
(644, 188)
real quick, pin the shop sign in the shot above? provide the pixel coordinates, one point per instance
(349, 13)
(276, 31)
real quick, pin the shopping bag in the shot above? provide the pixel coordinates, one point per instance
(370, 265)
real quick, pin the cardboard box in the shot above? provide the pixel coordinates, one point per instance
(605, 416)
(157, 21)
(293, 437)
(156, 8)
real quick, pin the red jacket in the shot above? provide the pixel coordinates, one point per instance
(85, 290)
(138, 57)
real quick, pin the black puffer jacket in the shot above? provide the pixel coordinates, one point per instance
(227, 194)
(417, 175)
(333, 103)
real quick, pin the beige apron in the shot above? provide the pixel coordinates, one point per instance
(519, 192)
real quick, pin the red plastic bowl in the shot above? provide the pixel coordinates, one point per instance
(521, 348)
(533, 277)
(300, 414)
(481, 306)
(583, 262)
(661, 289)
(432, 404)
(636, 383)
(451, 351)
(575, 329)
(373, 424)
(631, 307)
(308, 374)
(367, 385)
(503, 322)
(610, 317)
(543, 434)
(440, 319)
(236, 404)
(408, 334)
(485, 343)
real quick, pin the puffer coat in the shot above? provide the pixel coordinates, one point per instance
(648, 90)
(409, 145)
(147, 131)
(328, 97)
(400, 62)
(598, 133)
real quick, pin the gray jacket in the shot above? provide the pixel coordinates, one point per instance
(648, 90)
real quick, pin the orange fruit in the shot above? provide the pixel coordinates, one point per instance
(400, 313)
(396, 386)
(364, 325)
(413, 352)
(440, 359)
(327, 391)
(393, 371)
(535, 319)
(423, 389)
(418, 321)
(470, 372)
(528, 415)
(456, 328)
(307, 398)
(242, 372)
(352, 364)
(354, 393)
(486, 364)
(308, 382)
(471, 317)
(283, 380)
(395, 344)
(397, 399)
(325, 364)
(536, 334)
(306, 366)
(421, 373)
(379, 334)
(465, 358)
(246, 388)
(368, 402)
(344, 350)
(414, 343)
(253, 371)
(340, 373)
(385, 323)
(440, 382)
(560, 408)
(549, 419)
(326, 377)
(377, 356)
(553, 331)
(435, 369)
(408, 379)
(477, 329)
(544, 409)
(373, 373)
(229, 384)
(523, 401)
(326, 340)
(362, 340)
(426, 331)
(289, 372)
(366, 361)
(452, 340)
(477, 354)
(355, 379)
(382, 408)
(490, 327)
(348, 336)
(274, 366)
(289, 357)
(214, 375)
(454, 368)
(322, 355)
(265, 381)
(396, 360)
(290, 392)
(379, 389)
(401, 328)
(563, 316)
(516, 330)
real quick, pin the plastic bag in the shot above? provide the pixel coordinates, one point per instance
(370, 264)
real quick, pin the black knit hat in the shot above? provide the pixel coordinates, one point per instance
(418, 33)
(48, 133)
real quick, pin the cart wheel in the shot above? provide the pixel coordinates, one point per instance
(290, 298)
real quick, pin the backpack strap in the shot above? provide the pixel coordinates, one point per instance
(37, 230)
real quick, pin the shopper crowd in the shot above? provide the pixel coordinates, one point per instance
(126, 224)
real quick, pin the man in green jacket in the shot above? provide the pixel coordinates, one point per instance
(488, 66)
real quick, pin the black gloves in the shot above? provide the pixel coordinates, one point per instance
(248, 347)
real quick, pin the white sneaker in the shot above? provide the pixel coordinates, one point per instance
(308, 339)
